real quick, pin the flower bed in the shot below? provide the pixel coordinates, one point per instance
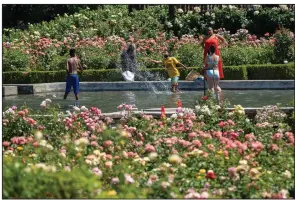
(100, 35)
(202, 153)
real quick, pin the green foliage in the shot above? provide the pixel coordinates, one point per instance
(270, 72)
(22, 182)
(241, 55)
(235, 73)
(284, 46)
(243, 72)
(189, 54)
(15, 60)
(263, 20)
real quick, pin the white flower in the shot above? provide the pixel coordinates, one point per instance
(76, 108)
(197, 9)
(174, 116)
(256, 7)
(169, 24)
(213, 15)
(69, 112)
(175, 159)
(212, 22)
(153, 155)
(243, 162)
(128, 178)
(207, 13)
(256, 12)
(190, 12)
(179, 10)
(36, 33)
(292, 19)
(283, 7)
(83, 108)
(230, 7)
(287, 174)
(38, 135)
(284, 193)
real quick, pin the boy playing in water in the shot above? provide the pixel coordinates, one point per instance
(170, 64)
(73, 65)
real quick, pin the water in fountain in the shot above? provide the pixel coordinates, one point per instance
(128, 63)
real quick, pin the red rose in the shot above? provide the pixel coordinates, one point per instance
(211, 175)
(266, 34)
(205, 98)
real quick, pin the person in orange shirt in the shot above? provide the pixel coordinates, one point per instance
(170, 64)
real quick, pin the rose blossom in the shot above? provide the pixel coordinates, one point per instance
(107, 143)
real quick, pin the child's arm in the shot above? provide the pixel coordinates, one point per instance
(155, 61)
(182, 65)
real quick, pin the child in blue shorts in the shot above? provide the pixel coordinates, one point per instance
(73, 66)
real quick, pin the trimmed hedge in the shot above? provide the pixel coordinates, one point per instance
(271, 71)
(244, 72)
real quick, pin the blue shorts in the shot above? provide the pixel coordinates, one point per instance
(174, 80)
(212, 74)
(72, 80)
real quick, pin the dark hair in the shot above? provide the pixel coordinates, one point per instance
(166, 55)
(211, 50)
(72, 52)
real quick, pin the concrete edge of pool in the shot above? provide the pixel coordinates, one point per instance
(156, 112)
(15, 89)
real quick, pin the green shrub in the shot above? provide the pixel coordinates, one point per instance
(15, 60)
(241, 55)
(58, 63)
(270, 72)
(235, 73)
(189, 55)
(243, 72)
(21, 181)
(284, 46)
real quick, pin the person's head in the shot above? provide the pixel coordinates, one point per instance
(166, 55)
(72, 52)
(209, 31)
(211, 50)
(131, 47)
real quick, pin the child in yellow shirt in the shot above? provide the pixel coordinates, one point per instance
(170, 64)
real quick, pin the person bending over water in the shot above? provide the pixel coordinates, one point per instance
(212, 73)
(128, 59)
(170, 64)
(73, 66)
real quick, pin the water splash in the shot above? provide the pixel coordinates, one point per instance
(129, 63)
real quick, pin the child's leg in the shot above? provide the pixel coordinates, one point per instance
(174, 82)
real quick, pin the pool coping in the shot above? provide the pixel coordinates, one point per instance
(156, 112)
(16, 89)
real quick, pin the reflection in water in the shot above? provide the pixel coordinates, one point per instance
(131, 97)
(108, 101)
(173, 99)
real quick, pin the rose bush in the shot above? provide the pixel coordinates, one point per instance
(99, 36)
(206, 152)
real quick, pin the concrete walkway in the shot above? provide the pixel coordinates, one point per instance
(14, 89)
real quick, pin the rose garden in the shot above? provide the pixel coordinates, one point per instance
(201, 151)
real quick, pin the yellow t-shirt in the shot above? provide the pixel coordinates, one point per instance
(170, 64)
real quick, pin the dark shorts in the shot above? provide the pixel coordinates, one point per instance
(72, 80)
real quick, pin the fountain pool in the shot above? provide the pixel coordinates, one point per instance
(108, 101)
